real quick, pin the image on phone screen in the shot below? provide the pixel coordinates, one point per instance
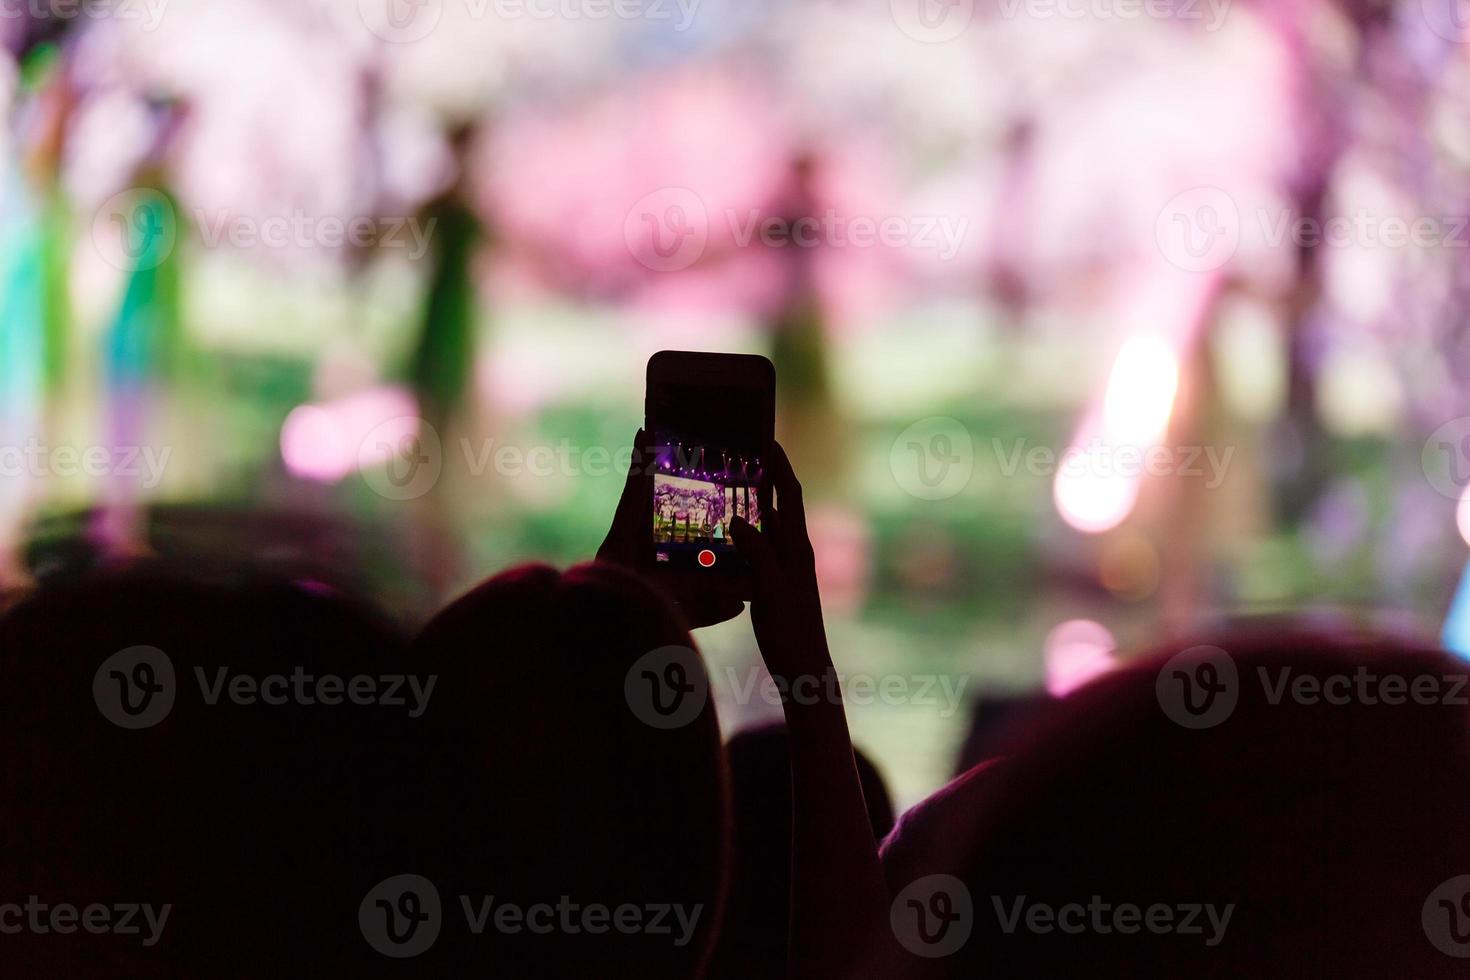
(707, 470)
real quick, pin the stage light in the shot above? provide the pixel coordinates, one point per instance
(1076, 652)
(1095, 502)
(1092, 491)
(1140, 392)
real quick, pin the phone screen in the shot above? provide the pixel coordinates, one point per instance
(708, 443)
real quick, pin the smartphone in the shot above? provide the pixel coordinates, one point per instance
(711, 419)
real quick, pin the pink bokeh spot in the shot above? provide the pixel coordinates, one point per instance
(564, 185)
(1077, 652)
(325, 441)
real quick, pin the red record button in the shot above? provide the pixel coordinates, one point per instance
(706, 558)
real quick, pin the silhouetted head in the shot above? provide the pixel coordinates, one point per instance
(1267, 807)
(150, 762)
(575, 802)
(753, 942)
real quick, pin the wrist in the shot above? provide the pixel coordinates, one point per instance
(809, 687)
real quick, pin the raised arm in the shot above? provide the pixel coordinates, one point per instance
(839, 902)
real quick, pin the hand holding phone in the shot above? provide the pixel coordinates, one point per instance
(698, 466)
(711, 419)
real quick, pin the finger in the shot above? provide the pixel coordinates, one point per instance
(754, 546)
(634, 513)
(763, 483)
(788, 488)
(640, 467)
(633, 505)
(770, 520)
(771, 525)
(791, 533)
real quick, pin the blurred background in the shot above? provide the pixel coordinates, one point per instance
(1096, 321)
